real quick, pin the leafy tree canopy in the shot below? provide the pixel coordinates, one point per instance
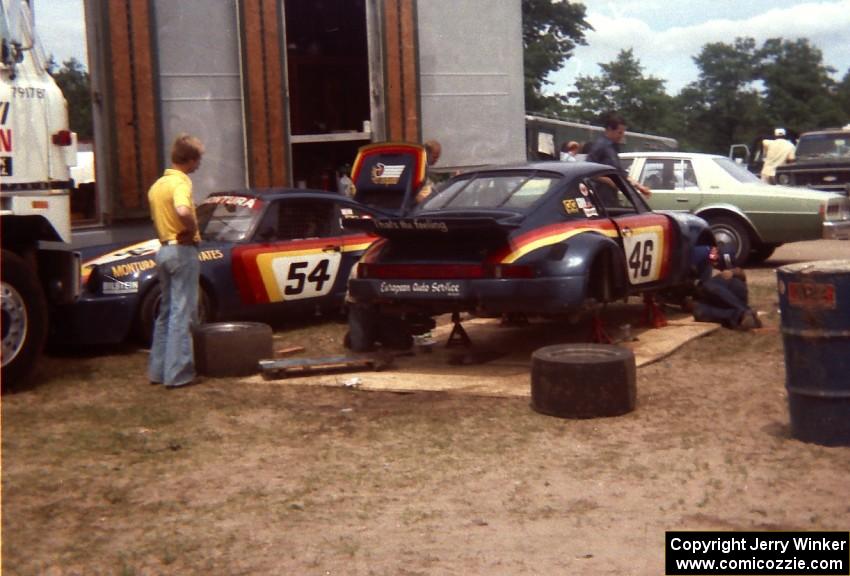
(550, 32)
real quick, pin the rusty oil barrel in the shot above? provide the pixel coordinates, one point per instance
(814, 300)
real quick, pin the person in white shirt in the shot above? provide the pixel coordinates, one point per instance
(776, 153)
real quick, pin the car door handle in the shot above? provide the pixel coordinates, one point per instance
(332, 248)
(683, 200)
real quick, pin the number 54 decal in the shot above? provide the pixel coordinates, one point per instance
(305, 276)
(644, 251)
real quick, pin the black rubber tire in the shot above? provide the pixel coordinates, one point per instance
(731, 232)
(761, 252)
(394, 333)
(583, 380)
(24, 320)
(362, 328)
(232, 348)
(149, 307)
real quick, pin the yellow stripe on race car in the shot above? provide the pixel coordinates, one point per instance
(552, 239)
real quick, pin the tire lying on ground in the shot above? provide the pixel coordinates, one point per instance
(231, 348)
(583, 380)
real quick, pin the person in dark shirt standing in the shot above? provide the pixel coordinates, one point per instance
(606, 149)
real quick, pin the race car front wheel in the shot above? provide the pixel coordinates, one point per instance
(150, 308)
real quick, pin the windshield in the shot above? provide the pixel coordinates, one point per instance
(227, 218)
(737, 171)
(829, 145)
(505, 190)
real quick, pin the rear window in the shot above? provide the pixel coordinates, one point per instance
(737, 171)
(514, 190)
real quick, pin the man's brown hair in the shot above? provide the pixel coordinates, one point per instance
(186, 149)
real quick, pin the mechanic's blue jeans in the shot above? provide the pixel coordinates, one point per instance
(721, 300)
(172, 361)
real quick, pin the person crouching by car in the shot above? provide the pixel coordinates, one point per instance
(722, 297)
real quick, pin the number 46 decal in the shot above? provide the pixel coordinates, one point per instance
(306, 276)
(643, 257)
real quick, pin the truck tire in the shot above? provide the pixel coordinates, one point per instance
(583, 380)
(24, 319)
(232, 348)
(149, 308)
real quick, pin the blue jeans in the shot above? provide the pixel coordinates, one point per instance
(172, 360)
(721, 300)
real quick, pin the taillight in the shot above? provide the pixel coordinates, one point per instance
(442, 271)
(62, 138)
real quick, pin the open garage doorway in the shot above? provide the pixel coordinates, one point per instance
(328, 74)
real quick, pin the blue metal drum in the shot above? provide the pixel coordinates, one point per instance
(814, 300)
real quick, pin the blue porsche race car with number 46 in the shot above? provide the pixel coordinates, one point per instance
(539, 239)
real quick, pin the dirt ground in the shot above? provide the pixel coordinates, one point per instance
(104, 474)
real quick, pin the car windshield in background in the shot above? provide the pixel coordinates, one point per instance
(227, 218)
(834, 145)
(514, 190)
(738, 172)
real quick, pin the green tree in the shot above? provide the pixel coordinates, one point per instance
(622, 87)
(799, 92)
(551, 30)
(75, 83)
(843, 97)
(723, 106)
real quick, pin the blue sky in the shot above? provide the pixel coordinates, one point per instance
(664, 34)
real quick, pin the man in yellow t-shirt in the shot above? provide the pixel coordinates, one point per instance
(776, 153)
(178, 268)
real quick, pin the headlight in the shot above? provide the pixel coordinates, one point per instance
(784, 179)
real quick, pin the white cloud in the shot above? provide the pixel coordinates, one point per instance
(667, 52)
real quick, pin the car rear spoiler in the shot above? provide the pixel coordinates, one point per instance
(484, 228)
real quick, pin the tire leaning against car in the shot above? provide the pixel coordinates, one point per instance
(24, 310)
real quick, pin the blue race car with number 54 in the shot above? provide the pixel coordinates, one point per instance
(263, 252)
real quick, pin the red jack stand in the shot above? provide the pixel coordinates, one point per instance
(458, 336)
(598, 335)
(653, 315)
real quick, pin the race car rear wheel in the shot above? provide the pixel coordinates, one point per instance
(732, 236)
(150, 308)
(583, 380)
(362, 328)
(24, 319)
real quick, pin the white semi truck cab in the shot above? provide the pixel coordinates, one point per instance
(37, 150)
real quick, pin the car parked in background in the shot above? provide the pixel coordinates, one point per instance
(750, 218)
(822, 161)
(263, 252)
(540, 240)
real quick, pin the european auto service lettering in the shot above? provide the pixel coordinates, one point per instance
(440, 288)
